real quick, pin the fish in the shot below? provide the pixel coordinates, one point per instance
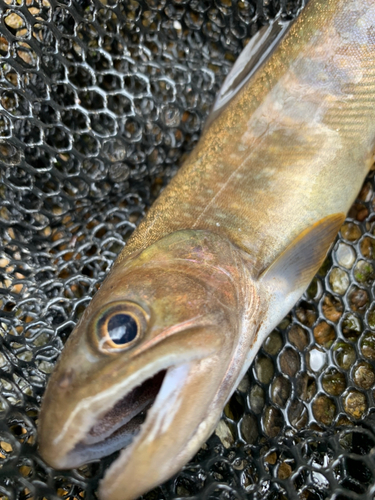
(223, 254)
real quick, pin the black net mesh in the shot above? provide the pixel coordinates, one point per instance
(99, 104)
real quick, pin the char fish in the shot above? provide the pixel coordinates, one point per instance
(223, 254)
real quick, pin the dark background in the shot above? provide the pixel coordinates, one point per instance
(100, 102)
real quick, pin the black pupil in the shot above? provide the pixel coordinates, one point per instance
(122, 329)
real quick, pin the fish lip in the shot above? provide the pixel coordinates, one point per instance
(60, 428)
(93, 444)
(71, 458)
(166, 404)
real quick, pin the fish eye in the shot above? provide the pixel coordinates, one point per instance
(119, 326)
(122, 329)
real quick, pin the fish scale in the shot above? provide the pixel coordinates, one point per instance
(185, 200)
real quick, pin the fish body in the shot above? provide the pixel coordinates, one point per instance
(220, 258)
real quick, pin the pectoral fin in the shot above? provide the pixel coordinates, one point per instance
(285, 280)
(298, 263)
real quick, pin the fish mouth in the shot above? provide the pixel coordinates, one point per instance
(120, 426)
(124, 405)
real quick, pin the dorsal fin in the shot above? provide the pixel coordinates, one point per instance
(256, 52)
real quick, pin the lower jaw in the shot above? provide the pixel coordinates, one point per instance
(96, 447)
(165, 402)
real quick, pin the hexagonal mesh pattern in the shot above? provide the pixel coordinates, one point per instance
(100, 103)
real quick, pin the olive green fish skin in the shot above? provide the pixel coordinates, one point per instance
(293, 147)
(223, 254)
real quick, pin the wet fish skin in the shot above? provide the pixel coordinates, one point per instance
(212, 285)
(225, 252)
(287, 143)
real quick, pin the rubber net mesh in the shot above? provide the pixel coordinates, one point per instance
(100, 102)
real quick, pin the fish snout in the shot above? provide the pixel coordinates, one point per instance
(66, 379)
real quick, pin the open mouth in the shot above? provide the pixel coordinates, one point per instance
(121, 424)
(154, 401)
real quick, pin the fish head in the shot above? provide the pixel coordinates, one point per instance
(151, 363)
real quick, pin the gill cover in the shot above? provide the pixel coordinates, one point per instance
(152, 362)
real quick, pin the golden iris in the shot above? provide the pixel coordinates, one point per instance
(120, 325)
